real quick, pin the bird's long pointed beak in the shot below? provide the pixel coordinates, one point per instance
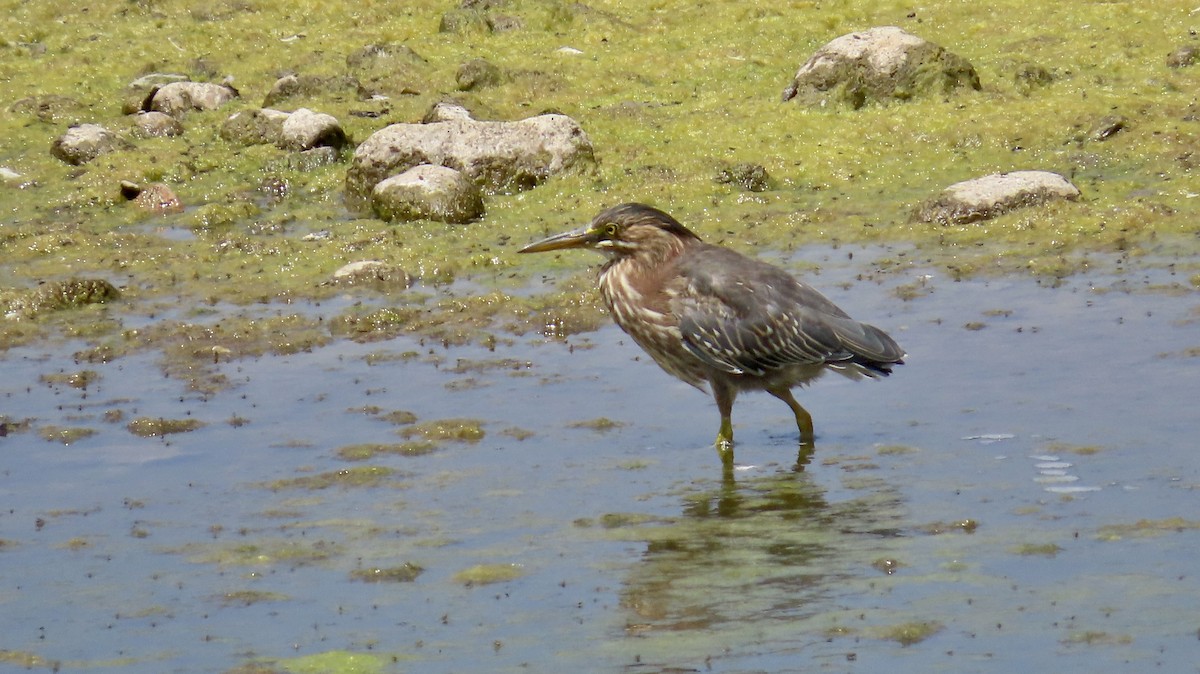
(576, 238)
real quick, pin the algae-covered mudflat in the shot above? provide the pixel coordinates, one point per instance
(216, 457)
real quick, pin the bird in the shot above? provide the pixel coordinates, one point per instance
(719, 320)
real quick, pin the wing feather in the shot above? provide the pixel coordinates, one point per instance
(747, 317)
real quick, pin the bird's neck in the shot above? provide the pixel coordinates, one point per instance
(632, 285)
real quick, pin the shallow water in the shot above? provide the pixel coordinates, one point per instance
(1021, 494)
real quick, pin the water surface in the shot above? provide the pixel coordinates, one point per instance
(1022, 494)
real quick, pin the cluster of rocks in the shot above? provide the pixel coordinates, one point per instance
(889, 65)
(441, 169)
(445, 167)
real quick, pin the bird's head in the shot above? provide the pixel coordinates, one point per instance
(622, 231)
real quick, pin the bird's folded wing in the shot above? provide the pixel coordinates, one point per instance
(765, 341)
(746, 317)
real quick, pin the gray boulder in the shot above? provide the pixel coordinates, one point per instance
(177, 98)
(305, 129)
(501, 157)
(308, 86)
(878, 65)
(156, 124)
(260, 126)
(84, 142)
(989, 196)
(301, 130)
(428, 192)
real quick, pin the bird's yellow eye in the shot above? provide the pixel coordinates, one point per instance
(610, 229)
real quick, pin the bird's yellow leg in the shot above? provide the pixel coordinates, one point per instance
(724, 441)
(724, 395)
(804, 420)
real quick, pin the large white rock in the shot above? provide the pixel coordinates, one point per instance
(989, 196)
(878, 65)
(502, 157)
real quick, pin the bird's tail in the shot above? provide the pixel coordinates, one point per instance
(870, 348)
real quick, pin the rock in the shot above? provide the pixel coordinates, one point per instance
(177, 98)
(503, 23)
(1108, 127)
(137, 94)
(299, 86)
(57, 296)
(496, 156)
(879, 65)
(477, 74)
(428, 192)
(156, 197)
(750, 177)
(1183, 57)
(156, 125)
(254, 127)
(464, 20)
(373, 273)
(305, 129)
(989, 196)
(388, 70)
(84, 142)
(444, 112)
(50, 108)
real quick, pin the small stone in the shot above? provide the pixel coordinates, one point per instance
(371, 272)
(428, 192)
(477, 74)
(156, 125)
(749, 177)
(1183, 57)
(156, 197)
(1108, 127)
(178, 98)
(305, 129)
(255, 127)
(84, 142)
(444, 112)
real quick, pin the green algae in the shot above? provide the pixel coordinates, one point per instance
(1146, 528)
(249, 597)
(405, 573)
(80, 380)
(262, 552)
(27, 660)
(336, 662)
(148, 427)
(368, 451)
(908, 633)
(454, 430)
(1097, 638)
(599, 424)
(1037, 549)
(64, 434)
(486, 574)
(56, 296)
(349, 478)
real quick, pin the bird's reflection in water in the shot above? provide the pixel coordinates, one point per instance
(753, 551)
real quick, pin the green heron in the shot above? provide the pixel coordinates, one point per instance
(713, 317)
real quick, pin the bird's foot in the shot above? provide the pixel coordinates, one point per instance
(724, 447)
